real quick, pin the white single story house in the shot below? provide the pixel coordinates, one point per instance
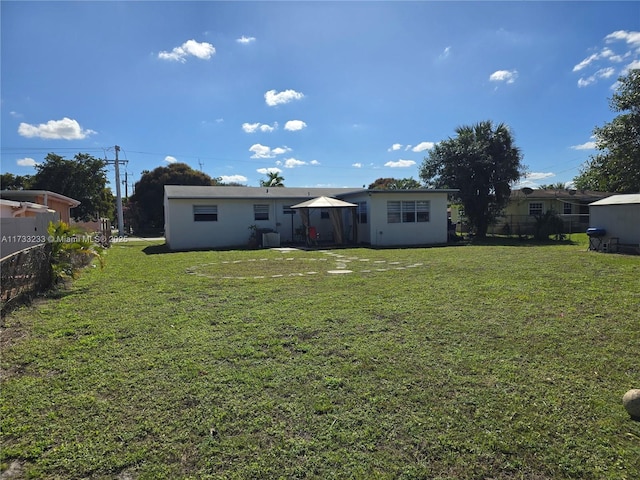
(619, 217)
(221, 217)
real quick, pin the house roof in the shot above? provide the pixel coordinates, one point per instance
(20, 194)
(298, 193)
(564, 195)
(619, 200)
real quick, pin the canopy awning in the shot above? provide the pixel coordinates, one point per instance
(324, 202)
(334, 205)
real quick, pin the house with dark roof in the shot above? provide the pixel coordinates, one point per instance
(519, 216)
(198, 217)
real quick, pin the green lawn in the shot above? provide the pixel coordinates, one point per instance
(468, 362)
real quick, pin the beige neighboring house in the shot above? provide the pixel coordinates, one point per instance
(23, 225)
(518, 218)
(52, 200)
(25, 216)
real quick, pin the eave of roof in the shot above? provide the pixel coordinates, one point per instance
(195, 192)
(31, 193)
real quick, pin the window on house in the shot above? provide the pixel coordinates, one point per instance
(535, 208)
(408, 211)
(261, 212)
(422, 210)
(393, 212)
(566, 209)
(205, 213)
(287, 210)
(324, 213)
(361, 212)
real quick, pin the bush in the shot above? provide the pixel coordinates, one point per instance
(71, 250)
(546, 225)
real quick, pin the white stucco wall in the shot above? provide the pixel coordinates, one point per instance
(235, 215)
(622, 221)
(432, 232)
(234, 218)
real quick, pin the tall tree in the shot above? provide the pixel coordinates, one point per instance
(482, 162)
(84, 178)
(145, 207)
(395, 184)
(274, 179)
(616, 168)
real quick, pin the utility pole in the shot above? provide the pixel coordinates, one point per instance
(119, 196)
(117, 163)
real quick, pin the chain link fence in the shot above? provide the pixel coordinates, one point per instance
(23, 274)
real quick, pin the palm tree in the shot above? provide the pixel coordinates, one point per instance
(274, 179)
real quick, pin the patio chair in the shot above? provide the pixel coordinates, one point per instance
(313, 236)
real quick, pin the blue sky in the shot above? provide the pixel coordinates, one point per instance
(330, 94)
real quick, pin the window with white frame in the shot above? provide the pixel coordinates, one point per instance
(393, 212)
(566, 209)
(411, 211)
(205, 213)
(261, 212)
(361, 212)
(535, 208)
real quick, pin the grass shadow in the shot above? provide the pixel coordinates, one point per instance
(156, 249)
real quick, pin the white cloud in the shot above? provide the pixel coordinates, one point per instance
(280, 150)
(293, 162)
(272, 98)
(262, 151)
(250, 127)
(26, 162)
(294, 125)
(65, 129)
(422, 146)
(602, 73)
(445, 53)
(400, 164)
(263, 127)
(245, 40)
(314, 162)
(266, 171)
(538, 175)
(394, 147)
(507, 76)
(233, 178)
(607, 55)
(203, 51)
(631, 38)
(635, 65)
(585, 146)
(587, 61)
(170, 159)
(356, 165)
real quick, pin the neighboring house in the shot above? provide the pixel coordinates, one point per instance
(619, 217)
(54, 201)
(219, 217)
(518, 218)
(23, 225)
